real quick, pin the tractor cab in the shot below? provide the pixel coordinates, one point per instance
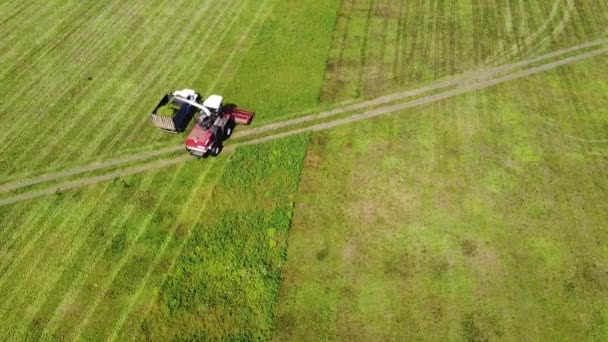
(214, 104)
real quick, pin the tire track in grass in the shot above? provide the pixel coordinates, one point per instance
(333, 77)
(117, 327)
(77, 131)
(532, 42)
(300, 120)
(329, 72)
(354, 118)
(432, 98)
(17, 128)
(77, 240)
(134, 126)
(419, 91)
(89, 168)
(143, 227)
(401, 22)
(58, 124)
(364, 49)
(88, 262)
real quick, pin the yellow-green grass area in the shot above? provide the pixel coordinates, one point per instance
(80, 78)
(383, 45)
(482, 217)
(156, 255)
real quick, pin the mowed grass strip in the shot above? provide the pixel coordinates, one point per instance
(111, 98)
(109, 263)
(225, 283)
(106, 66)
(478, 218)
(88, 136)
(51, 238)
(56, 100)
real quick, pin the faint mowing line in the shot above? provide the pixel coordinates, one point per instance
(161, 253)
(71, 29)
(75, 245)
(19, 234)
(181, 247)
(55, 319)
(76, 119)
(39, 235)
(123, 261)
(64, 91)
(133, 126)
(9, 40)
(94, 258)
(20, 8)
(25, 124)
(238, 45)
(132, 100)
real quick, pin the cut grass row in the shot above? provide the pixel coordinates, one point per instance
(476, 218)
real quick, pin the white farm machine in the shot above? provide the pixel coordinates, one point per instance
(214, 124)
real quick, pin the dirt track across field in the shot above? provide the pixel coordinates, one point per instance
(465, 84)
(484, 74)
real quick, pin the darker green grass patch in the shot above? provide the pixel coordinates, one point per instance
(225, 282)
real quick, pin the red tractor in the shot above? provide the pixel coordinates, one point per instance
(214, 124)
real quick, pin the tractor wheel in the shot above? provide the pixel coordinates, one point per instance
(215, 151)
(228, 131)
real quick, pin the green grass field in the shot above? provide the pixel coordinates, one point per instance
(480, 217)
